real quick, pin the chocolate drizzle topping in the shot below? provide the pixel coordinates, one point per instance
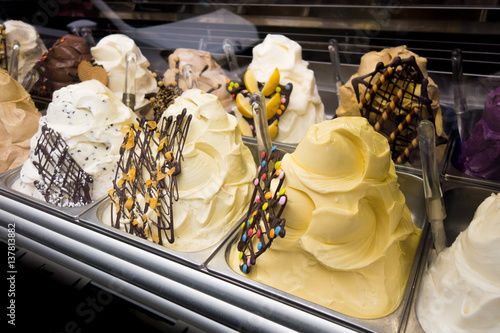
(285, 91)
(393, 104)
(145, 183)
(64, 183)
(263, 222)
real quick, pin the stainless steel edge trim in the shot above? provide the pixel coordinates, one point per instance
(130, 292)
(190, 288)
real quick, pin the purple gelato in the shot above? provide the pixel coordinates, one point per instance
(480, 155)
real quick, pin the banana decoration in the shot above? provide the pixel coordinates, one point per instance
(277, 99)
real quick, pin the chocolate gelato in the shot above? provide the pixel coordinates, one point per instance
(59, 67)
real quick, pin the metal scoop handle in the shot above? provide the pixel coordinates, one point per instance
(189, 75)
(460, 103)
(86, 34)
(128, 97)
(227, 45)
(14, 60)
(30, 79)
(333, 49)
(436, 212)
(258, 103)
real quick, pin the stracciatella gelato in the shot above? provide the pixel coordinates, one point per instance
(215, 182)
(18, 122)
(32, 46)
(349, 103)
(460, 290)
(480, 154)
(88, 117)
(350, 239)
(305, 107)
(209, 75)
(110, 53)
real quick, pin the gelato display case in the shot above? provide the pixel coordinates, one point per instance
(392, 63)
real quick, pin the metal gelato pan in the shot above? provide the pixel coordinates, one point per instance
(8, 178)
(94, 217)
(412, 188)
(461, 201)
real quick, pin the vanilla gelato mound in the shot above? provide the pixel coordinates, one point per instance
(460, 290)
(305, 107)
(32, 47)
(110, 53)
(216, 178)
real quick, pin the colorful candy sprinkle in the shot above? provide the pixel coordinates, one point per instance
(282, 201)
(264, 206)
(268, 195)
(278, 229)
(259, 246)
(282, 191)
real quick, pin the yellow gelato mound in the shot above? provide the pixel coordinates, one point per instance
(350, 240)
(19, 122)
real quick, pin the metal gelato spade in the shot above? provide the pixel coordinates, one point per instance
(234, 68)
(333, 49)
(128, 97)
(258, 103)
(189, 75)
(434, 203)
(14, 60)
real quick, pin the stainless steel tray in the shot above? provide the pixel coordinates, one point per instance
(412, 188)
(93, 217)
(8, 178)
(461, 201)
